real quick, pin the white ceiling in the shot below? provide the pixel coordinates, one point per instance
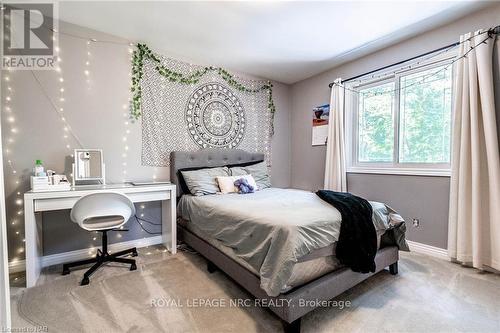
(283, 41)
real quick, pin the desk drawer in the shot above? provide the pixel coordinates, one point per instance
(48, 204)
(149, 196)
(42, 205)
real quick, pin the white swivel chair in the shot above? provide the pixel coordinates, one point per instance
(102, 212)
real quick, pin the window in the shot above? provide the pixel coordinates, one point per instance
(375, 126)
(402, 124)
(425, 117)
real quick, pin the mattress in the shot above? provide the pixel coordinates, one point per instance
(273, 232)
(305, 270)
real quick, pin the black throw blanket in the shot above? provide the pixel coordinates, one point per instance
(357, 244)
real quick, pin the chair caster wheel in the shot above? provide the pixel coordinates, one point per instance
(65, 271)
(133, 267)
(85, 281)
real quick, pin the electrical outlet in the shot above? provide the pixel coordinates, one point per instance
(416, 223)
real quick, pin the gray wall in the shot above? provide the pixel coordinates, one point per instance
(425, 198)
(97, 112)
(420, 197)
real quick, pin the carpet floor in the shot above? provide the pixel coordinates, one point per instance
(176, 294)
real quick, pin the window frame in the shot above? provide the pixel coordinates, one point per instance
(352, 125)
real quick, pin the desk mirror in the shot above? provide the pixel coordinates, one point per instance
(88, 165)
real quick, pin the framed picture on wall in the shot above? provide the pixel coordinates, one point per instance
(321, 115)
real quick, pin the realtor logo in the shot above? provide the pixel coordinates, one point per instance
(28, 36)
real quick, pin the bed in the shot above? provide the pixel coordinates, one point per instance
(261, 241)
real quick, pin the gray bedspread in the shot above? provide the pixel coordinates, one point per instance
(272, 228)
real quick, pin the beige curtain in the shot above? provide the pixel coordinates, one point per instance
(474, 223)
(335, 175)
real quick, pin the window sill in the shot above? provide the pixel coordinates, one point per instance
(401, 171)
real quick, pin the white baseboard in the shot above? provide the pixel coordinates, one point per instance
(432, 251)
(59, 258)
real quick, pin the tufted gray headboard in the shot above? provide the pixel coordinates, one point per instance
(208, 158)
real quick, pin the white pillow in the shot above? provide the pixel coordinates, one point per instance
(226, 183)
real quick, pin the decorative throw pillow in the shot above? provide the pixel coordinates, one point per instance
(203, 181)
(226, 183)
(259, 172)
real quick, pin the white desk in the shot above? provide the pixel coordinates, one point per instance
(37, 202)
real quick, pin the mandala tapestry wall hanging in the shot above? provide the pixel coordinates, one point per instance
(215, 117)
(209, 112)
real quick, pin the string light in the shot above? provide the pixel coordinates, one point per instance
(86, 71)
(18, 201)
(124, 140)
(126, 113)
(424, 77)
(490, 33)
(58, 106)
(11, 166)
(11, 121)
(253, 112)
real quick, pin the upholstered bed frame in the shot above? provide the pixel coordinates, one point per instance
(321, 289)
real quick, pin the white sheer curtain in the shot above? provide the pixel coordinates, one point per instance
(335, 175)
(474, 222)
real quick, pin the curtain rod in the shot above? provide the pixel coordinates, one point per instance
(492, 31)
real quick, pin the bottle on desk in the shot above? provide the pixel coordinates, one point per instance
(39, 170)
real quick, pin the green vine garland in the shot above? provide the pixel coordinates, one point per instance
(143, 52)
